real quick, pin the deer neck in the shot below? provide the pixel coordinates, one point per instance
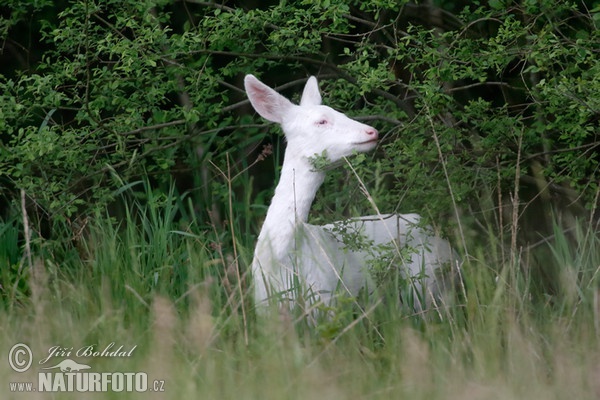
(298, 185)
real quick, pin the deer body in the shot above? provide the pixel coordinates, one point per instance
(289, 251)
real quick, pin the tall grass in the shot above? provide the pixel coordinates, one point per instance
(175, 290)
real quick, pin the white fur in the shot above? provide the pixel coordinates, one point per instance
(289, 250)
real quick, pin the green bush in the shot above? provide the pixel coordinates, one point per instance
(146, 173)
(484, 108)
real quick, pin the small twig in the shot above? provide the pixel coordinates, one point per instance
(363, 187)
(154, 127)
(137, 295)
(515, 201)
(500, 206)
(27, 233)
(447, 176)
(229, 179)
(345, 330)
(213, 4)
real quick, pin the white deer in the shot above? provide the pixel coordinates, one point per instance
(290, 253)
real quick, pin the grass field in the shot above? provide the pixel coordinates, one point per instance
(169, 293)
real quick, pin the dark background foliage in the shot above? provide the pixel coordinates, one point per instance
(488, 110)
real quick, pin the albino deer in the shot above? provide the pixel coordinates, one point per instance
(292, 254)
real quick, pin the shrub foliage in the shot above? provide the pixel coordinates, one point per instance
(484, 106)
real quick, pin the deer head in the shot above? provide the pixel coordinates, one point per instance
(310, 127)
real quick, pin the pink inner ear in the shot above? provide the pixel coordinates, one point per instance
(261, 94)
(269, 103)
(266, 101)
(263, 101)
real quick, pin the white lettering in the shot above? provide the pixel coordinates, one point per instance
(21, 386)
(117, 382)
(94, 383)
(141, 382)
(57, 351)
(91, 382)
(59, 383)
(82, 385)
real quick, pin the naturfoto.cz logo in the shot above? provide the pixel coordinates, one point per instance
(69, 375)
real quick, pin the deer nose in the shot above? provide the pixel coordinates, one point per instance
(372, 132)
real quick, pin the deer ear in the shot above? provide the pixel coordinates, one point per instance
(311, 95)
(266, 101)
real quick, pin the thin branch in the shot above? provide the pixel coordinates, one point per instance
(447, 176)
(515, 203)
(229, 180)
(587, 147)
(153, 127)
(473, 85)
(210, 4)
(27, 234)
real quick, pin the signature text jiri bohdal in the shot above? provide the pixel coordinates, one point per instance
(111, 350)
